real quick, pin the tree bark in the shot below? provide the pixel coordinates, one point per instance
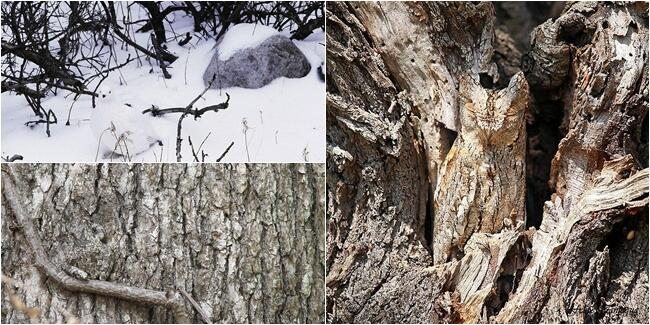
(441, 127)
(246, 242)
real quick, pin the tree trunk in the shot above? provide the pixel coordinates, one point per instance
(246, 242)
(473, 179)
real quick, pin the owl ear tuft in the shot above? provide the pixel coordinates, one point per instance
(518, 83)
(516, 92)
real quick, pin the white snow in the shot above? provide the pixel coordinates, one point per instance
(243, 36)
(281, 122)
(120, 129)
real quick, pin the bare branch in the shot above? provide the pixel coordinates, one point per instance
(225, 152)
(196, 113)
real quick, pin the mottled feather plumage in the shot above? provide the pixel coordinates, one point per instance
(482, 180)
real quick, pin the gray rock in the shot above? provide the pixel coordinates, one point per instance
(256, 67)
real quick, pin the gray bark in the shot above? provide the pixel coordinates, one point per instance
(245, 241)
(403, 78)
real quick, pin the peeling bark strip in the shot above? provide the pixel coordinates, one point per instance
(428, 110)
(245, 242)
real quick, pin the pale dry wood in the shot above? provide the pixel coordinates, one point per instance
(595, 69)
(605, 100)
(411, 38)
(611, 192)
(483, 263)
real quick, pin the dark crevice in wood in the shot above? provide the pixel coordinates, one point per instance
(618, 236)
(449, 137)
(519, 18)
(544, 135)
(575, 32)
(512, 269)
(545, 112)
(428, 221)
(486, 80)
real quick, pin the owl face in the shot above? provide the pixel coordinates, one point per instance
(493, 118)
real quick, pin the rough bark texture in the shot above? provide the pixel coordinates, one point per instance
(446, 203)
(245, 241)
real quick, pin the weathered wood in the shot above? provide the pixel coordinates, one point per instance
(427, 139)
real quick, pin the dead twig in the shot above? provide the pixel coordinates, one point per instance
(50, 118)
(195, 152)
(196, 306)
(161, 63)
(245, 126)
(225, 152)
(155, 111)
(12, 158)
(196, 113)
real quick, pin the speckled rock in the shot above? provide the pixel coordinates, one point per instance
(256, 67)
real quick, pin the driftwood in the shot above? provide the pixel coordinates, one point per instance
(443, 208)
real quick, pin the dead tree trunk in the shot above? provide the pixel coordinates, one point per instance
(442, 134)
(246, 242)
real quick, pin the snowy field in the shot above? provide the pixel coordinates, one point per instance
(281, 122)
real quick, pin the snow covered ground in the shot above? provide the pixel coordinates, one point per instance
(281, 122)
